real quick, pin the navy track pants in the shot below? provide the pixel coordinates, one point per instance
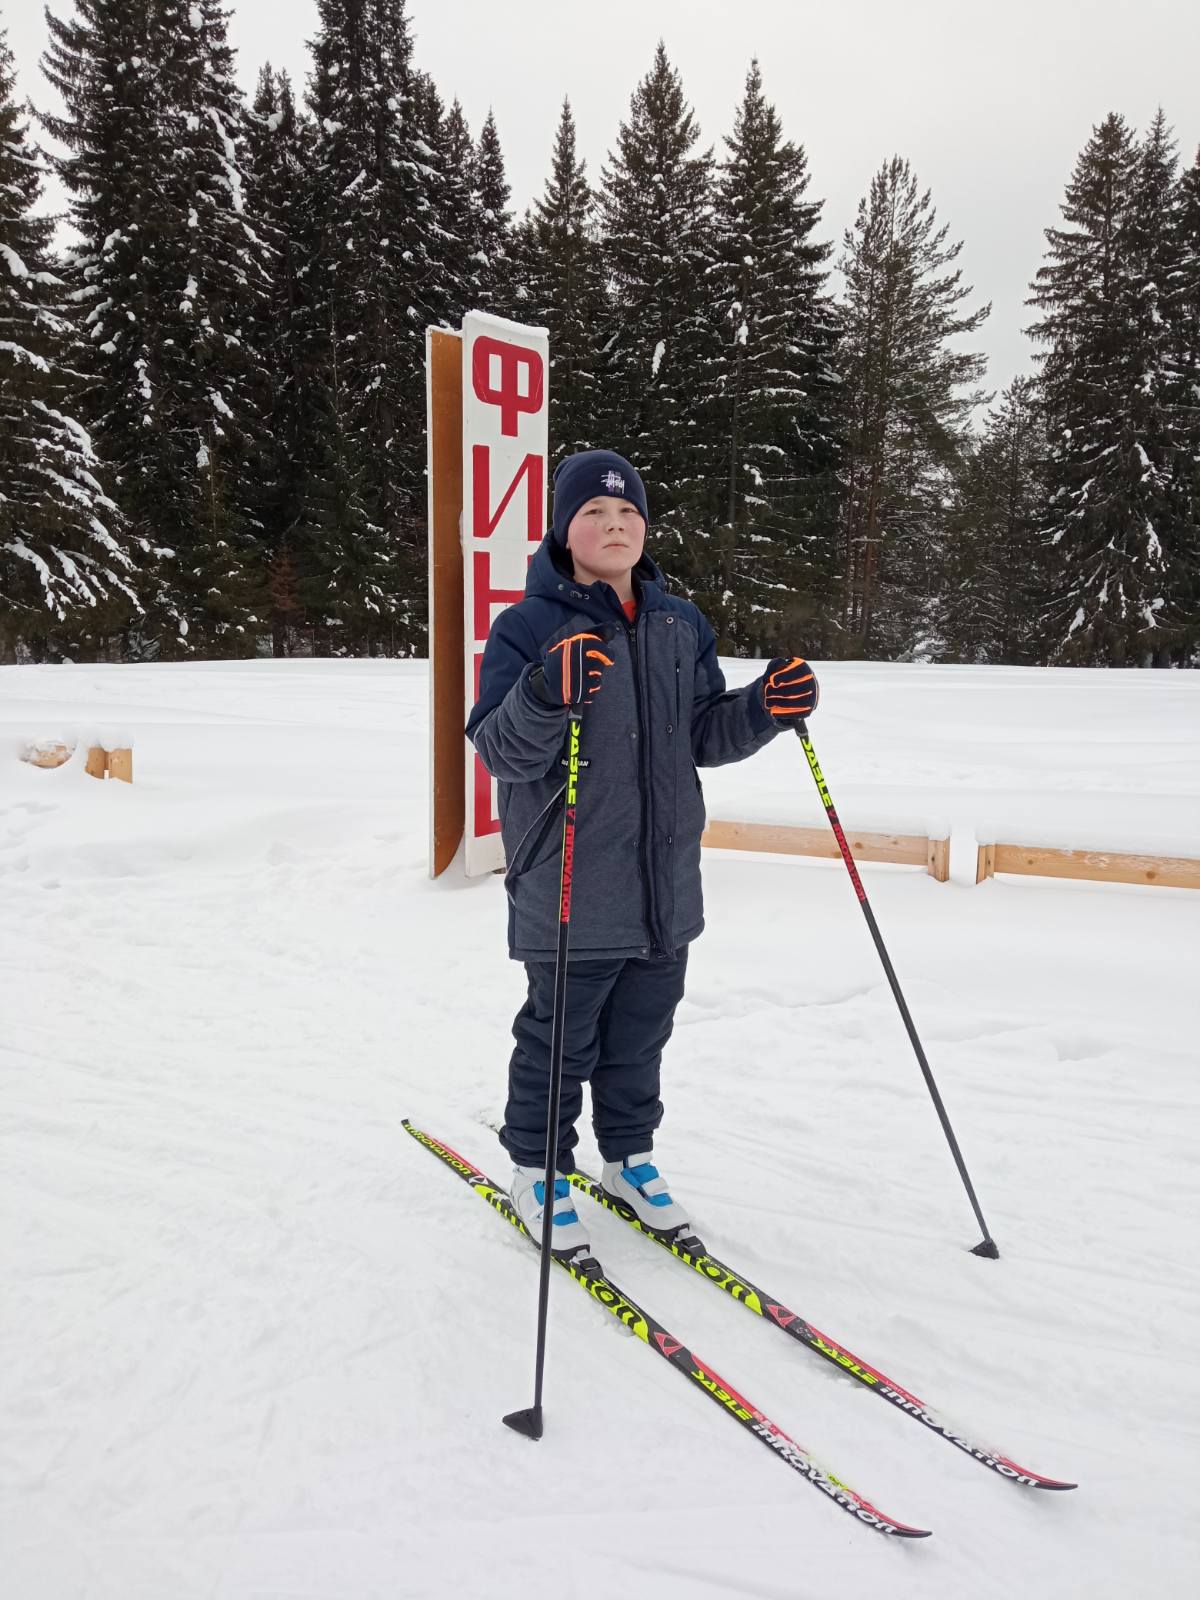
(619, 1016)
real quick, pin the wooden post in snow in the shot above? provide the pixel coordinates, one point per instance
(447, 803)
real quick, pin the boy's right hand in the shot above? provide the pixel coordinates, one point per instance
(572, 670)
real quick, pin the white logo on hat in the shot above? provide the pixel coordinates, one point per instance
(613, 482)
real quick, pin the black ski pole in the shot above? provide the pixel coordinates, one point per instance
(987, 1245)
(529, 1421)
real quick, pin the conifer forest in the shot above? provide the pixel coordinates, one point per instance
(212, 385)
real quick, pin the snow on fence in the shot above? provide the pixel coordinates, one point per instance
(47, 753)
(100, 762)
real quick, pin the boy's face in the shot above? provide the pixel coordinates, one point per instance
(606, 537)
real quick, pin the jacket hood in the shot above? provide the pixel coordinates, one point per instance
(550, 578)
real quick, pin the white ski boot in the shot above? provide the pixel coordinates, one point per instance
(637, 1183)
(568, 1237)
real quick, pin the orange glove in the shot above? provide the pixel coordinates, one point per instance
(790, 689)
(573, 669)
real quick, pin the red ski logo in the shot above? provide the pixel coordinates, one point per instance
(782, 1317)
(668, 1346)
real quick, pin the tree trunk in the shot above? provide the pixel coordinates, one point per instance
(869, 557)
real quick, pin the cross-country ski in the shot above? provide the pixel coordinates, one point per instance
(589, 1274)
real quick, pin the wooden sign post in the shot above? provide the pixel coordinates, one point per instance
(443, 394)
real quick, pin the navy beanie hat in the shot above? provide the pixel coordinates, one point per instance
(579, 478)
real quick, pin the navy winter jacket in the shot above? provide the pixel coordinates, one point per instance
(663, 711)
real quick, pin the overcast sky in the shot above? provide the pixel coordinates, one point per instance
(990, 103)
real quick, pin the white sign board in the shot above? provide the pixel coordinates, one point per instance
(505, 439)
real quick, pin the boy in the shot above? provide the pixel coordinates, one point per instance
(596, 617)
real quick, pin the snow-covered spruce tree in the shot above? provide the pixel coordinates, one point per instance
(658, 338)
(907, 405)
(105, 61)
(1183, 313)
(564, 285)
(165, 271)
(371, 256)
(66, 573)
(777, 491)
(213, 280)
(495, 279)
(447, 201)
(995, 558)
(1109, 505)
(1156, 251)
(334, 526)
(277, 142)
(456, 215)
(522, 257)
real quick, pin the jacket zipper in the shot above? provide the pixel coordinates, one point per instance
(648, 908)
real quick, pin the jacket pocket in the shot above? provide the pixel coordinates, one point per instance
(524, 856)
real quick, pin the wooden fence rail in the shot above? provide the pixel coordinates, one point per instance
(908, 849)
(1097, 866)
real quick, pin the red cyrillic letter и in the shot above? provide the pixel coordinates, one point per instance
(483, 520)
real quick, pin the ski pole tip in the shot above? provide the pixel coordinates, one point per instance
(528, 1422)
(986, 1248)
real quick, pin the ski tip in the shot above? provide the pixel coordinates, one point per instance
(528, 1422)
(1024, 1477)
(912, 1533)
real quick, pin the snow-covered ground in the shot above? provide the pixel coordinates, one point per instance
(255, 1343)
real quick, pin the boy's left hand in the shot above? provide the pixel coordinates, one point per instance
(790, 689)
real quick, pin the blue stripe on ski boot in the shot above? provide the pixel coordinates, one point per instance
(561, 1190)
(639, 1177)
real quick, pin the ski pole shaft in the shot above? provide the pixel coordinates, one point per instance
(987, 1245)
(529, 1422)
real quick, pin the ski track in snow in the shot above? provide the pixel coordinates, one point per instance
(255, 1344)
